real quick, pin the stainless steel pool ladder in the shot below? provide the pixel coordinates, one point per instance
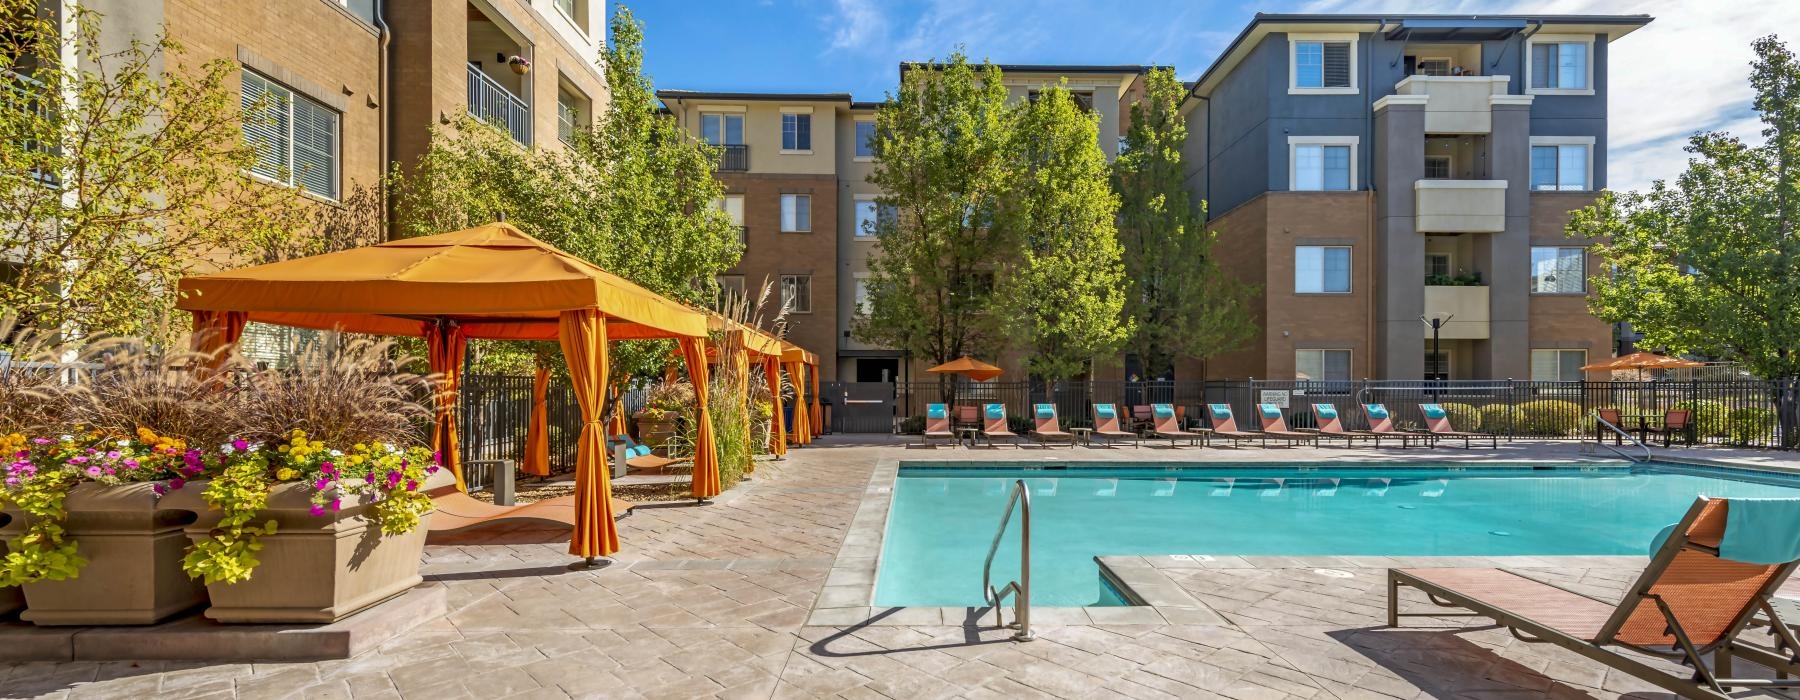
(1628, 436)
(1020, 590)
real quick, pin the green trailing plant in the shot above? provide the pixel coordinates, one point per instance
(240, 492)
(43, 551)
(1465, 279)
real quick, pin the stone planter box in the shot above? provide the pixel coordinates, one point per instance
(315, 569)
(12, 599)
(655, 432)
(133, 542)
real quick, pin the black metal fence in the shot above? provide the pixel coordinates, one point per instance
(1725, 412)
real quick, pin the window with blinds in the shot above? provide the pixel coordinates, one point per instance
(1322, 64)
(1557, 270)
(1559, 66)
(796, 293)
(1557, 365)
(295, 137)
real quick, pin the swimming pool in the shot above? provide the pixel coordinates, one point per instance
(943, 518)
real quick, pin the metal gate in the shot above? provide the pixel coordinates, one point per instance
(862, 407)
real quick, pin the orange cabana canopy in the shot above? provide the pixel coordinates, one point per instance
(492, 282)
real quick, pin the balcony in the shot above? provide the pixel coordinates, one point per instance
(492, 103)
(735, 158)
(1468, 307)
(1460, 206)
(1458, 104)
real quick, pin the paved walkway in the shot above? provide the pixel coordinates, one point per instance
(711, 601)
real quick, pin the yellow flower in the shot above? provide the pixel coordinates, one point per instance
(286, 474)
(282, 448)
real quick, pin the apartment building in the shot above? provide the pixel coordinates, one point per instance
(1385, 179)
(796, 169)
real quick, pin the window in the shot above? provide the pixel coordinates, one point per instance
(1433, 66)
(733, 206)
(1559, 65)
(296, 138)
(1558, 270)
(1561, 163)
(796, 293)
(1321, 163)
(1557, 365)
(867, 222)
(796, 213)
(1437, 265)
(722, 129)
(571, 111)
(1084, 100)
(732, 285)
(1321, 269)
(1437, 365)
(865, 139)
(575, 11)
(862, 293)
(1437, 167)
(796, 132)
(1322, 64)
(1328, 365)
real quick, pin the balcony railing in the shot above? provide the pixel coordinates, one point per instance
(735, 158)
(492, 103)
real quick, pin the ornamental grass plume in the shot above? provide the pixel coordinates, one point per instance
(34, 392)
(176, 393)
(342, 392)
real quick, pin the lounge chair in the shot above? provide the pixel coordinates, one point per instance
(1332, 426)
(995, 425)
(1437, 420)
(1225, 425)
(455, 511)
(1678, 421)
(937, 424)
(1106, 425)
(1140, 418)
(1167, 426)
(1045, 427)
(1715, 571)
(1381, 424)
(639, 458)
(1275, 426)
(1613, 417)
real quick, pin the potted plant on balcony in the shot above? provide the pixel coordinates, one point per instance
(518, 64)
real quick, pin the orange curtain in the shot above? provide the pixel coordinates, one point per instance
(802, 421)
(444, 347)
(537, 432)
(215, 332)
(777, 431)
(816, 414)
(618, 426)
(583, 336)
(706, 449)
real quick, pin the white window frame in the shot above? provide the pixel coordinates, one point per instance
(1349, 358)
(1449, 262)
(730, 282)
(786, 300)
(1559, 141)
(1294, 40)
(856, 217)
(1293, 171)
(1559, 378)
(856, 143)
(1449, 65)
(1349, 275)
(781, 131)
(1531, 272)
(859, 294)
(784, 217)
(290, 177)
(722, 113)
(1587, 81)
(578, 7)
(1449, 166)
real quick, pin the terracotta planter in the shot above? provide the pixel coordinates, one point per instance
(133, 542)
(519, 68)
(314, 569)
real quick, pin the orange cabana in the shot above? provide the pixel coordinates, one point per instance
(487, 282)
(800, 364)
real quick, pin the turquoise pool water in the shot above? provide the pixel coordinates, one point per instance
(943, 518)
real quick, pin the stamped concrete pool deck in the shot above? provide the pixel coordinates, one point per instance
(725, 600)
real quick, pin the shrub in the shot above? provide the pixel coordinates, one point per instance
(912, 425)
(1711, 418)
(671, 397)
(1019, 424)
(1462, 416)
(1501, 418)
(1550, 417)
(1750, 425)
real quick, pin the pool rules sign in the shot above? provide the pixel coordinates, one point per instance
(1279, 397)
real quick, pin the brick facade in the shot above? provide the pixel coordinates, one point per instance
(771, 253)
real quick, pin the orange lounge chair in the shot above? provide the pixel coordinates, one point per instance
(995, 424)
(1167, 425)
(937, 424)
(1225, 425)
(1381, 424)
(1706, 581)
(1332, 426)
(1275, 426)
(1677, 421)
(1438, 421)
(967, 417)
(1046, 428)
(1106, 425)
(457, 511)
(640, 459)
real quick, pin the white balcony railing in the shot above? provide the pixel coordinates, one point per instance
(492, 103)
(1458, 104)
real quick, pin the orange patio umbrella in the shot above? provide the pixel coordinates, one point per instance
(968, 367)
(492, 282)
(1641, 361)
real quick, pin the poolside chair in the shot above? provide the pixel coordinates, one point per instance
(1274, 426)
(995, 425)
(1381, 424)
(1140, 417)
(639, 458)
(1679, 421)
(937, 424)
(1225, 426)
(1437, 420)
(1332, 426)
(967, 417)
(1167, 426)
(1106, 425)
(1715, 570)
(1045, 427)
(1613, 417)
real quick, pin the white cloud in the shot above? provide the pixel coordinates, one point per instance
(1687, 71)
(855, 24)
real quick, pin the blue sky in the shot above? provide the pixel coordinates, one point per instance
(1684, 73)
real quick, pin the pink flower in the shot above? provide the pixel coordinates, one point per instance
(336, 503)
(113, 454)
(321, 484)
(12, 481)
(41, 441)
(159, 489)
(369, 478)
(393, 479)
(177, 482)
(412, 485)
(93, 471)
(131, 464)
(240, 445)
(317, 510)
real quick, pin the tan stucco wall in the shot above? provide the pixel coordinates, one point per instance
(762, 132)
(1107, 94)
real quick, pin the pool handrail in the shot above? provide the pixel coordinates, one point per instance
(1648, 455)
(1020, 590)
